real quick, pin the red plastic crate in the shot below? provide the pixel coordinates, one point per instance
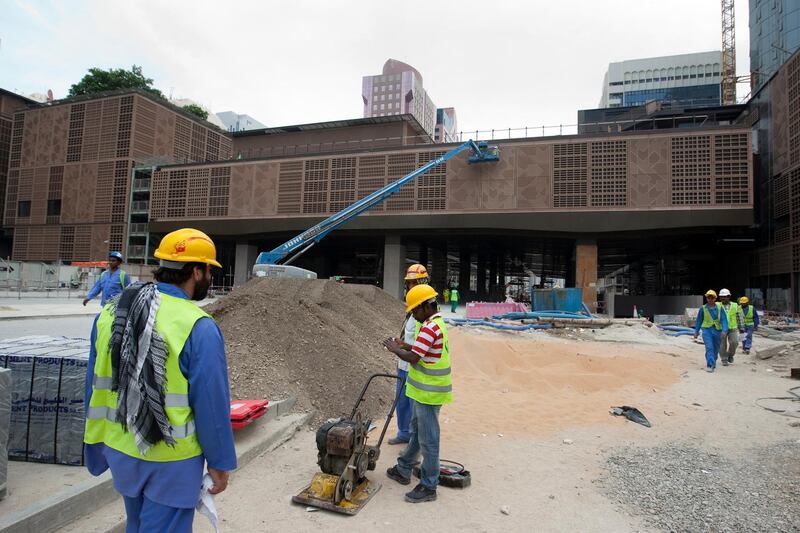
(243, 412)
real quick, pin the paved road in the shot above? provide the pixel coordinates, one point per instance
(74, 326)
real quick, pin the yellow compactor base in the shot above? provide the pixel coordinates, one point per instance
(320, 494)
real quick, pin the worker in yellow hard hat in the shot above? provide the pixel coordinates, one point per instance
(429, 385)
(713, 322)
(416, 274)
(751, 321)
(155, 339)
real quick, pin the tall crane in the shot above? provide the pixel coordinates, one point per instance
(275, 263)
(728, 85)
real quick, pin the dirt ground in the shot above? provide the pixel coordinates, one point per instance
(531, 421)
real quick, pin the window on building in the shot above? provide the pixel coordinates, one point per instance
(53, 208)
(24, 208)
(383, 88)
(383, 106)
(374, 107)
(615, 83)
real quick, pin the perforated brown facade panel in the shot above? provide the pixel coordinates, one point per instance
(591, 175)
(76, 159)
(570, 175)
(6, 125)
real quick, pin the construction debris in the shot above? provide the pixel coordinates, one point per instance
(315, 340)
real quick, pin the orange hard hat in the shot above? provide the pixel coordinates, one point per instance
(416, 271)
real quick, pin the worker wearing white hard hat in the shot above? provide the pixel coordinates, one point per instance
(730, 341)
(111, 282)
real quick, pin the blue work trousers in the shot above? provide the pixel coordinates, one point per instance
(425, 439)
(403, 409)
(712, 339)
(147, 516)
(748, 338)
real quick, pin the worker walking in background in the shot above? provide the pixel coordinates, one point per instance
(730, 340)
(446, 295)
(415, 275)
(429, 385)
(111, 282)
(155, 340)
(751, 322)
(713, 322)
(454, 297)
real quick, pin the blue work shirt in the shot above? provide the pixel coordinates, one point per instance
(110, 284)
(177, 483)
(713, 310)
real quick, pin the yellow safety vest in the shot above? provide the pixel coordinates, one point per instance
(733, 316)
(432, 384)
(748, 317)
(711, 322)
(175, 319)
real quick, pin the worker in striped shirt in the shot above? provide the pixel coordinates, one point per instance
(429, 385)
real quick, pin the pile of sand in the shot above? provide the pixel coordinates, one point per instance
(316, 340)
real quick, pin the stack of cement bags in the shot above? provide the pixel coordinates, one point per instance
(48, 375)
(5, 418)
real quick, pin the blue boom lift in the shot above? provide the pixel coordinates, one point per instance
(275, 263)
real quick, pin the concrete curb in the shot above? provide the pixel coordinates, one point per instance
(75, 503)
(62, 508)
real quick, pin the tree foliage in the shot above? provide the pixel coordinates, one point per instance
(195, 109)
(99, 80)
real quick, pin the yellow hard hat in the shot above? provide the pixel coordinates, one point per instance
(711, 292)
(416, 271)
(419, 295)
(186, 245)
(744, 300)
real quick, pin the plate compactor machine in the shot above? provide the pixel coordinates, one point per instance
(345, 458)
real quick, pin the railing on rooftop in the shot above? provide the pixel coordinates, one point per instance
(526, 132)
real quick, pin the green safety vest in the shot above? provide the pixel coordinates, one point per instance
(453, 295)
(710, 322)
(175, 319)
(432, 384)
(733, 316)
(748, 317)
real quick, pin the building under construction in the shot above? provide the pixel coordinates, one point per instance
(664, 211)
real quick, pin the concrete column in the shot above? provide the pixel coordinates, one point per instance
(439, 268)
(246, 254)
(586, 270)
(481, 276)
(464, 271)
(493, 292)
(394, 264)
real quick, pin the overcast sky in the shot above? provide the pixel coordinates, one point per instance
(500, 64)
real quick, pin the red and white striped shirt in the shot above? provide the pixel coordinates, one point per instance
(430, 341)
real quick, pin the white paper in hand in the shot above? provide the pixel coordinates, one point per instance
(205, 506)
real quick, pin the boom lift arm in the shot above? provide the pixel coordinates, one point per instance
(297, 246)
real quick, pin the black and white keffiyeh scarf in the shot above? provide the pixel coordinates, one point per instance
(138, 363)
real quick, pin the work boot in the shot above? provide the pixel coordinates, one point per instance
(710, 369)
(394, 474)
(730, 359)
(396, 440)
(421, 494)
(724, 361)
(747, 352)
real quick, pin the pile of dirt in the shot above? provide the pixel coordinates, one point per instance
(316, 340)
